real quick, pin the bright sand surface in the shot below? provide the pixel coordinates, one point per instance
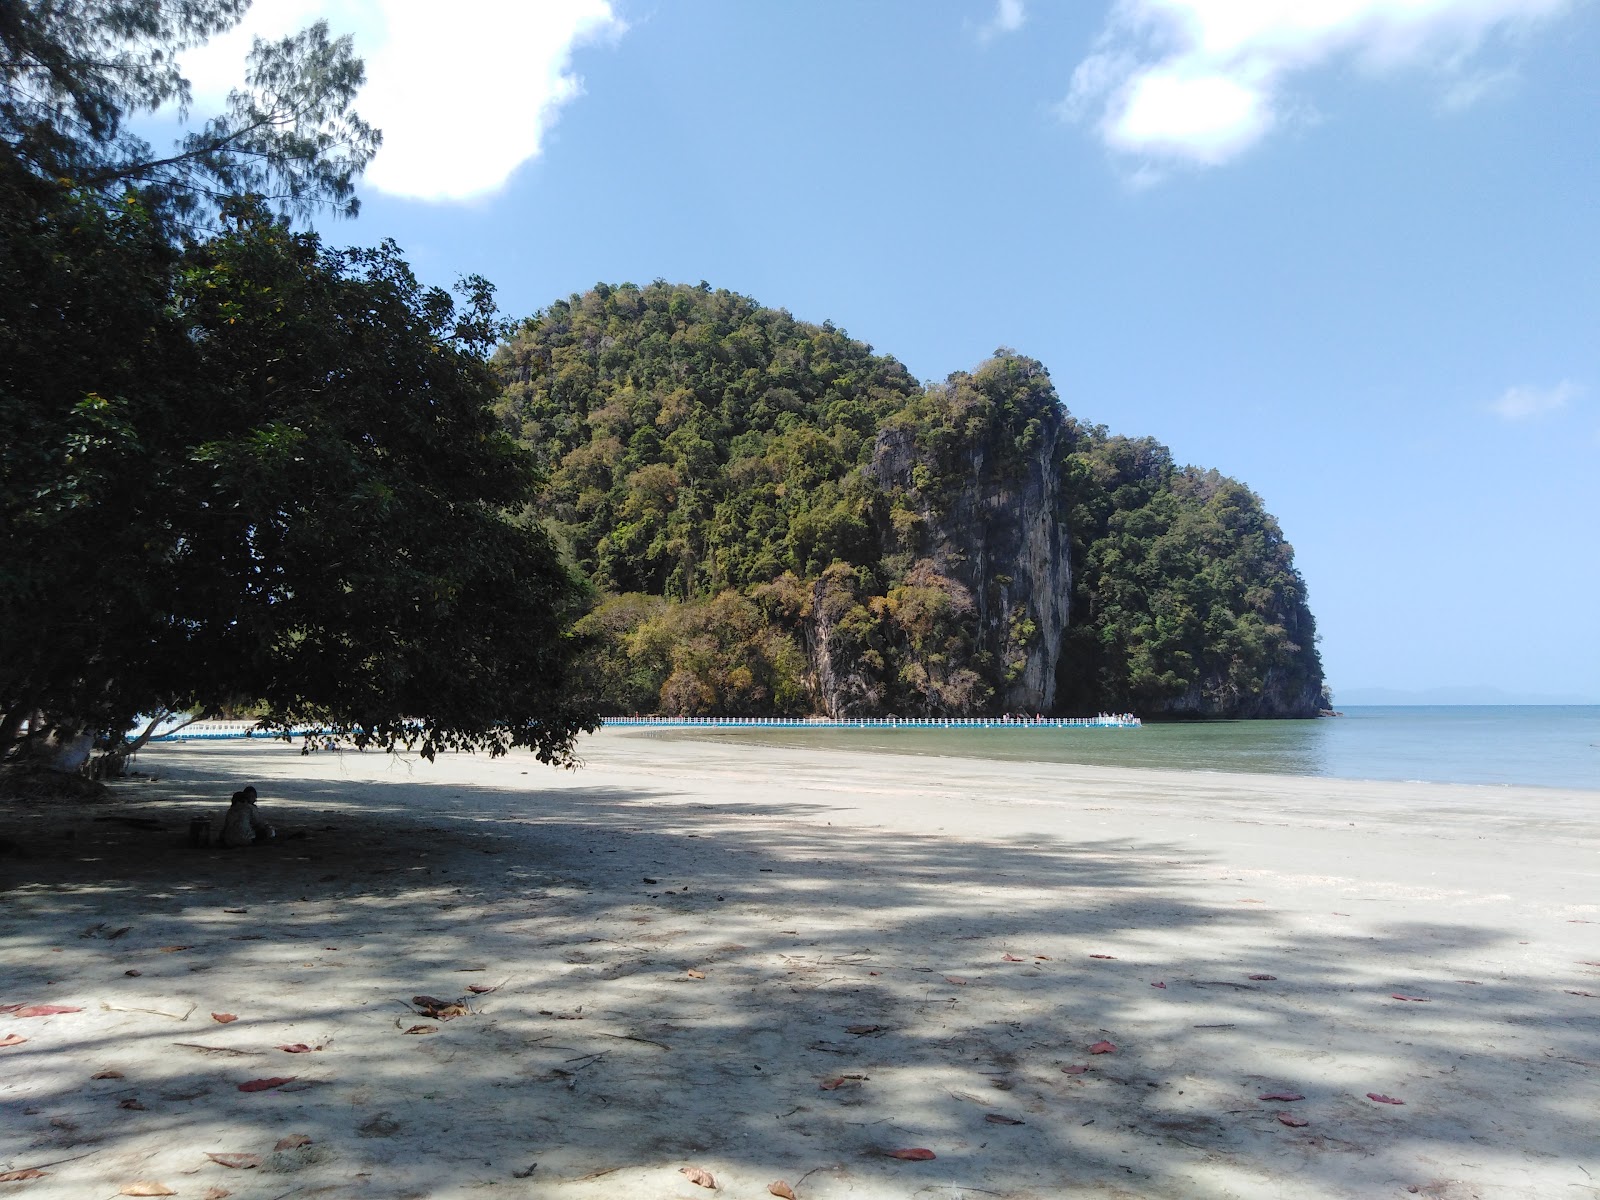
(690, 943)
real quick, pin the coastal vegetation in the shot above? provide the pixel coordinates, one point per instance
(776, 519)
(241, 467)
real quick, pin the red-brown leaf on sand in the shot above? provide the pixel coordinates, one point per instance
(215, 1193)
(43, 1010)
(1262, 978)
(106, 1075)
(293, 1141)
(781, 1190)
(1002, 1119)
(262, 1085)
(698, 1175)
(297, 1048)
(173, 949)
(19, 1176)
(1102, 1048)
(241, 1162)
(1283, 1097)
(1009, 957)
(693, 974)
(482, 989)
(834, 1082)
(1413, 999)
(1382, 1099)
(1572, 992)
(1156, 983)
(133, 974)
(1075, 1069)
(911, 1154)
(423, 1029)
(956, 980)
(224, 1018)
(1292, 1120)
(863, 1030)
(1111, 956)
(145, 1187)
(12, 1039)
(1042, 957)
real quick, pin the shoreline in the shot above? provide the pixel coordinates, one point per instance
(682, 936)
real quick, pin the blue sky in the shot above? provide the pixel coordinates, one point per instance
(1344, 250)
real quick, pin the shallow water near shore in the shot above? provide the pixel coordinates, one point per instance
(1527, 745)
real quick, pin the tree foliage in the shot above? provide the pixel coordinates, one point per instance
(240, 466)
(73, 73)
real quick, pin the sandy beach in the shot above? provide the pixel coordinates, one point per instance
(772, 964)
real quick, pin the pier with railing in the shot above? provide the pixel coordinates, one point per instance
(216, 730)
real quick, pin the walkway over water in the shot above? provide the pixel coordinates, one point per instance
(1110, 722)
(213, 730)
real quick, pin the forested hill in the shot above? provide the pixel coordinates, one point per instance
(778, 520)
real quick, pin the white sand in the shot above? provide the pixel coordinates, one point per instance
(814, 892)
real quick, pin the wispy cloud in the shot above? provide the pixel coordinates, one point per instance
(1009, 16)
(1525, 401)
(1201, 81)
(464, 92)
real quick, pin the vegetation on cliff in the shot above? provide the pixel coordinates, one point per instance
(778, 520)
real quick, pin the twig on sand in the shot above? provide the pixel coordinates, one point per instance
(628, 1037)
(604, 1171)
(220, 1050)
(152, 1011)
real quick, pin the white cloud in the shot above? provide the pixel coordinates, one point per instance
(464, 91)
(1202, 81)
(1009, 16)
(1526, 401)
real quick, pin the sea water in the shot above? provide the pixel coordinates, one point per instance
(1531, 745)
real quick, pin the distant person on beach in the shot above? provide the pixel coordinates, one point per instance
(244, 825)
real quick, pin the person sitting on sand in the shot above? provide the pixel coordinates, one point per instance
(243, 824)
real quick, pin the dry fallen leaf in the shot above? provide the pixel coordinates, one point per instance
(172, 949)
(146, 1187)
(1073, 1070)
(1103, 956)
(19, 1176)
(482, 989)
(1102, 1048)
(241, 1162)
(956, 980)
(863, 1030)
(107, 1075)
(1262, 978)
(781, 1190)
(1008, 957)
(133, 974)
(262, 1085)
(1001, 1119)
(223, 1018)
(43, 1010)
(1291, 1120)
(1571, 992)
(835, 1082)
(216, 1193)
(12, 1039)
(293, 1141)
(131, 1104)
(1154, 983)
(696, 1175)
(1284, 1097)
(297, 1048)
(693, 974)
(423, 1029)
(913, 1154)
(1382, 1099)
(1413, 999)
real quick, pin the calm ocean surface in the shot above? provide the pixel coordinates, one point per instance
(1542, 746)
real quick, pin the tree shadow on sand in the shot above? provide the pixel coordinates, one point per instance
(661, 982)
